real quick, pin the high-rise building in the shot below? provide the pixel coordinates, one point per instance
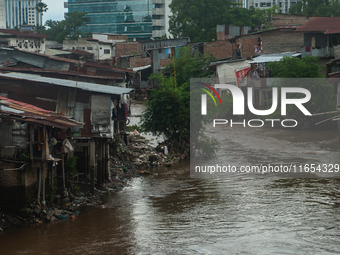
(138, 19)
(128, 17)
(160, 18)
(14, 13)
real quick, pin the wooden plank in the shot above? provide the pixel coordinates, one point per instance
(63, 169)
(62, 105)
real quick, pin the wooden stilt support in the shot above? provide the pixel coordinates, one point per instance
(92, 160)
(63, 169)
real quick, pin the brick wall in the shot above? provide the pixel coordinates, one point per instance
(127, 48)
(137, 61)
(164, 62)
(247, 45)
(278, 41)
(288, 19)
(219, 49)
(220, 36)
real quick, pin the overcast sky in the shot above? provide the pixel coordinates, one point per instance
(55, 10)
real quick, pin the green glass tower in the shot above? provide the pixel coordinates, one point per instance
(128, 17)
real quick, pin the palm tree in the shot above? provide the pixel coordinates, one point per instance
(41, 8)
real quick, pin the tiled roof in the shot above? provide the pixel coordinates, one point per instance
(327, 25)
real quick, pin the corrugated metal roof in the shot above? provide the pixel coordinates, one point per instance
(136, 69)
(52, 71)
(30, 113)
(273, 57)
(53, 52)
(93, 87)
(78, 63)
(21, 33)
(321, 24)
(80, 52)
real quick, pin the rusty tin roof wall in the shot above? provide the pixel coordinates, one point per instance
(30, 113)
(93, 87)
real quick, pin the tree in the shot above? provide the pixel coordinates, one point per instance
(293, 67)
(40, 29)
(186, 66)
(57, 30)
(323, 98)
(168, 108)
(322, 8)
(41, 8)
(263, 17)
(197, 19)
(68, 28)
(74, 20)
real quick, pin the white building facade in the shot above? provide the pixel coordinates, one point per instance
(160, 18)
(14, 13)
(283, 5)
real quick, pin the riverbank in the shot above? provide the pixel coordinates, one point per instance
(131, 157)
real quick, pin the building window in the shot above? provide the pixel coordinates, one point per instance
(256, 5)
(268, 4)
(262, 4)
(107, 51)
(89, 48)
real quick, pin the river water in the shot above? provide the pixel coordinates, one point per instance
(171, 213)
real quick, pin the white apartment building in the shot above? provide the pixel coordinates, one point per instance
(283, 5)
(14, 13)
(160, 18)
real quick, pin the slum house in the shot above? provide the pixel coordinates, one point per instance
(101, 46)
(33, 145)
(231, 70)
(147, 57)
(57, 67)
(321, 37)
(286, 19)
(259, 69)
(244, 42)
(23, 39)
(88, 103)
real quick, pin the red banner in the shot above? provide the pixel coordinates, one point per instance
(241, 74)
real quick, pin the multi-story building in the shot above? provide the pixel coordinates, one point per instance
(160, 18)
(283, 5)
(128, 17)
(138, 19)
(14, 13)
(23, 40)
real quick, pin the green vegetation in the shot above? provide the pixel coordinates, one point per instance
(168, 108)
(292, 67)
(322, 8)
(65, 29)
(323, 98)
(198, 19)
(70, 166)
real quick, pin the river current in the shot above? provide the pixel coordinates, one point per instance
(171, 213)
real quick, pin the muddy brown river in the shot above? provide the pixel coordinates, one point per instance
(171, 213)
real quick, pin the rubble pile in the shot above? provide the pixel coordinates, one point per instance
(64, 206)
(138, 157)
